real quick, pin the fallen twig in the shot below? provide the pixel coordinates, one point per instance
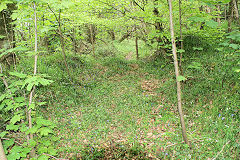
(221, 150)
(50, 156)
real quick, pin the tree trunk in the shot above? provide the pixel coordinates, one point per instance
(235, 10)
(74, 41)
(230, 16)
(2, 153)
(219, 16)
(92, 39)
(126, 35)
(181, 36)
(174, 50)
(112, 35)
(158, 25)
(136, 42)
(32, 153)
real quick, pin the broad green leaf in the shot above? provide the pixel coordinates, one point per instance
(3, 54)
(195, 65)
(43, 122)
(2, 36)
(32, 130)
(13, 156)
(44, 82)
(43, 157)
(8, 143)
(15, 119)
(2, 106)
(12, 127)
(31, 53)
(3, 134)
(25, 152)
(19, 99)
(236, 70)
(2, 97)
(23, 128)
(42, 149)
(17, 74)
(3, 6)
(212, 23)
(32, 143)
(41, 103)
(16, 149)
(20, 48)
(198, 48)
(181, 51)
(52, 151)
(181, 78)
(32, 106)
(234, 46)
(30, 86)
(197, 19)
(14, 16)
(45, 131)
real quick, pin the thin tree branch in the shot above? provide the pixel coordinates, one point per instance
(138, 5)
(134, 18)
(53, 14)
(50, 156)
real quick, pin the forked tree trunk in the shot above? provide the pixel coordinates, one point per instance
(184, 134)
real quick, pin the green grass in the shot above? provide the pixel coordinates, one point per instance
(113, 110)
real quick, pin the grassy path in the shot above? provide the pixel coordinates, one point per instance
(118, 113)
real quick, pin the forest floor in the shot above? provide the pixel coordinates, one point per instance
(120, 108)
(122, 116)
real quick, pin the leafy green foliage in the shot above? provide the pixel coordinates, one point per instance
(12, 102)
(113, 106)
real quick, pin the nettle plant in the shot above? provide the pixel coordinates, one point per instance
(14, 106)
